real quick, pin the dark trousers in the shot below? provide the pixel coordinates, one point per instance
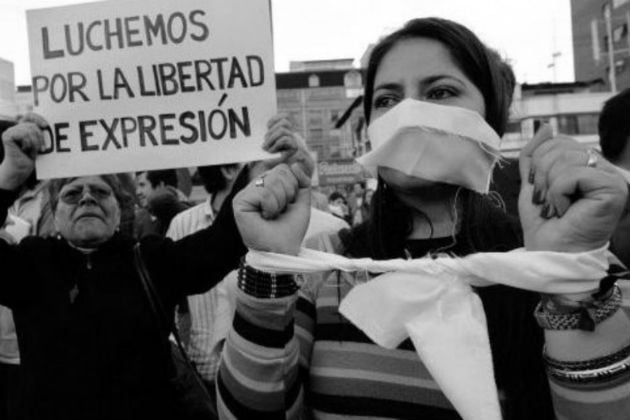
(10, 392)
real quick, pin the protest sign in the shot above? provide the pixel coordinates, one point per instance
(340, 171)
(153, 84)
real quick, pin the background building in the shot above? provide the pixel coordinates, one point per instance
(316, 96)
(570, 108)
(24, 99)
(597, 26)
(8, 109)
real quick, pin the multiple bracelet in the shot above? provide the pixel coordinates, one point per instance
(556, 313)
(604, 368)
(261, 284)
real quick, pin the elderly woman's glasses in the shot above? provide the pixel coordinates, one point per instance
(74, 194)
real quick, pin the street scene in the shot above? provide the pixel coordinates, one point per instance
(288, 209)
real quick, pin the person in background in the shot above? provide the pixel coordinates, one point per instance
(319, 200)
(159, 200)
(206, 310)
(614, 141)
(291, 354)
(355, 199)
(338, 206)
(212, 312)
(363, 211)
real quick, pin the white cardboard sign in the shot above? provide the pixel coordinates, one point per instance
(151, 84)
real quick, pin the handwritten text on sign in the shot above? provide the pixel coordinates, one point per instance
(140, 85)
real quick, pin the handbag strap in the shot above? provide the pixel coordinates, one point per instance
(154, 301)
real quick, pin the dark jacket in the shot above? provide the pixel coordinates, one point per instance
(620, 241)
(89, 345)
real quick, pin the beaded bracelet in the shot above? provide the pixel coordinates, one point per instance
(597, 363)
(583, 316)
(263, 285)
(590, 371)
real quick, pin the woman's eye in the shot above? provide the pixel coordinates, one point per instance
(385, 101)
(441, 93)
(71, 195)
(101, 192)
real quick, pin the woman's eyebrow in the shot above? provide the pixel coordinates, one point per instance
(435, 78)
(388, 86)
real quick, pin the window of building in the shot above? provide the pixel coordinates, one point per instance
(352, 79)
(620, 32)
(578, 124)
(315, 134)
(313, 81)
(315, 118)
(620, 66)
(296, 119)
(513, 127)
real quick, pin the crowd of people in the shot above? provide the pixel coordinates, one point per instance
(78, 338)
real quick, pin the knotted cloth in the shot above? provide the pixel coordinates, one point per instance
(431, 300)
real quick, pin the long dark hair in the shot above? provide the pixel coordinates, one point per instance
(390, 222)
(515, 338)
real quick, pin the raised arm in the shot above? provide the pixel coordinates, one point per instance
(571, 200)
(204, 258)
(260, 374)
(21, 143)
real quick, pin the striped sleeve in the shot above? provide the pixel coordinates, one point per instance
(259, 376)
(602, 400)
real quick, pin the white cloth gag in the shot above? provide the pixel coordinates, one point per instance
(434, 142)
(431, 301)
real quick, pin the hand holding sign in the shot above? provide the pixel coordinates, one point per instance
(151, 85)
(282, 138)
(21, 144)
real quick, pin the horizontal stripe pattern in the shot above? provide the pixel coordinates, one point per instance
(262, 336)
(343, 374)
(376, 408)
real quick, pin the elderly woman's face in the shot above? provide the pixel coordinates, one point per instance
(421, 69)
(87, 213)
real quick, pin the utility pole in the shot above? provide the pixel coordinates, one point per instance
(612, 73)
(554, 64)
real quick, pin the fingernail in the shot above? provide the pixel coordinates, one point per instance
(543, 212)
(537, 197)
(551, 211)
(530, 177)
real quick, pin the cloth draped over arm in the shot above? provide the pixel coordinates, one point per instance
(431, 301)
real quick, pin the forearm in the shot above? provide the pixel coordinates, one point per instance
(207, 256)
(7, 197)
(259, 372)
(605, 397)
(13, 276)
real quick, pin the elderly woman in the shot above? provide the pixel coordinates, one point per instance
(90, 346)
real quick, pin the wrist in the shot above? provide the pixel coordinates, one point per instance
(590, 371)
(572, 247)
(264, 285)
(9, 181)
(576, 312)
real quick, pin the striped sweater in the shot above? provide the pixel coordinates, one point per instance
(297, 357)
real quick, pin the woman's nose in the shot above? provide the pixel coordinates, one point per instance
(86, 196)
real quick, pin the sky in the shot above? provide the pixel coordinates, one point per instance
(526, 32)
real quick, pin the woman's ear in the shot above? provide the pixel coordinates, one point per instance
(230, 172)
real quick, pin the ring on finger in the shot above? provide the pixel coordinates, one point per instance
(592, 158)
(260, 181)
